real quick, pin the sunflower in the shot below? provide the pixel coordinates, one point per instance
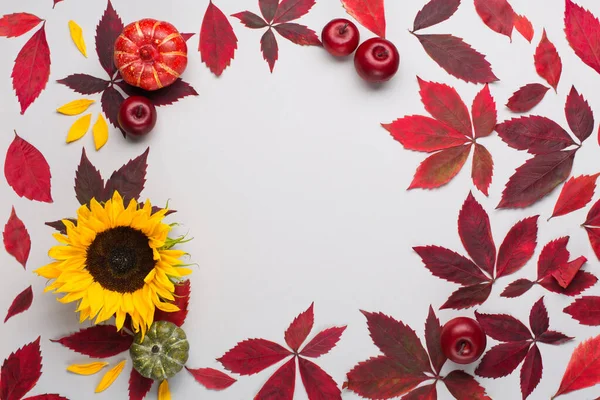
(116, 261)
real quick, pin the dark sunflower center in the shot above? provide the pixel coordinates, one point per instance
(119, 259)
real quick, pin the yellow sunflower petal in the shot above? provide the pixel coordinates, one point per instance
(163, 391)
(87, 369)
(100, 131)
(166, 307)
(75, 107)
(79, 128)
(110, 377)
(49, 271)
(77, 36)
(120, 319)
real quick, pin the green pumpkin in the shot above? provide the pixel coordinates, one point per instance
(163, 352)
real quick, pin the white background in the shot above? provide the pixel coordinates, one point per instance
(291, 189)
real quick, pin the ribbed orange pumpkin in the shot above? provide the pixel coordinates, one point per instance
(150, 54)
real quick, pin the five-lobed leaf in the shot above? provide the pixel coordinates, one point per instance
(547, 61)
(575, 194)
(17, 241)
(434, 12)
(99, 341)
(582, 27)
(20, 304)
(583, 370)
(217, 40)
(527, 97)
(498, 15)
(369, 13)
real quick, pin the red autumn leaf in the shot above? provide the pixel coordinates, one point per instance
(579, 115)
(463, 386)
(88, 181)
(269, 48)
(538, 318)
(502, 359)
(187, 36)
(517, 288)
(27, 171)
(504, 328)
(581, 282)
(21, 371)
(586, 310)
(318, 384)
(268, 8)
(281, 385)
(323, 342)
(298, 34)
(129, 179)
(49, 396)
(300, 328)
(468, 296)
(32, 69)
(138, 385)
(583, 370)
(427, 392)
(162, 97)
(439, 168)
(211, 378)
(84, 84)
(498, 15)
(575, 194)
(547, 61)
(217, 40)
(537, 135)
(458, 58)
(518, 247)
(59, 225)
(582, 27)
(566, 273)
(526, 97)
(593, 217)
(434, 12)
(445, 105)
(20, 304)
(484, 113)
(252, 356)
(553, 337)
(108, 30)
(553, 255)
(483, 168)
(450, 266)
(524, 26)
(16, 239)
(419, 133)
(99, 341)
(289, 10)
(250, 20)
(536, 178)
(476, 234)
(531, 371)
(182, 299)
(594, 236)
(17, 24)
(111, 101)
(433, 331)
(369, 13)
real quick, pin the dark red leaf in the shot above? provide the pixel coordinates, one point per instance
(586, 310)
(566, 273)
(537, 135)
(16, 239)
(182, 299)
(463, 386)
(594, 236)
(434, 12)
(323, 342)
(518, 247)
(27, 171)
(583, 370)
(502, 359)
(420, 133)
(268, 8)
(138, 385)
(439, 168)
(211, 378)
(450, 266)
(17, 24)
(281, 385)
(60, 226)
(484, 113)
(20, 304)
(298, 34)
(531, 371)
(88, 181)
(217, 41)
(250, 20)
(56, 2)
(476, 234)
(498, 15)
(535, 179)
(526, 97)
(483, 168)
(369, 13)
(468, 296)
(187, 36)
(458, 58)
(111, 103)
(99, 341)
(504, 328)
(579, 115)
(108, 30)
(318, 384)
(427, 392)
(524, 26)
(252, 356)
(547, 61)
(49, 396)
(129, 179)
(21, 371)
(398, 341)
(269, 48)
(382, 378)
(582, 27)
(300, 328)
(575, 194)
(583, 280)
(517, 288)
(433, 331)
(289, 10)
(445, 105)
(538, 318)
(84, 84)
(593, 217)
(162, 97)
(553, 255)
(553, 337)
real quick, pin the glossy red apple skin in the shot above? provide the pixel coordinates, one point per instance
(463, 340)
(340, 37)
(377, 60)
(137, 116)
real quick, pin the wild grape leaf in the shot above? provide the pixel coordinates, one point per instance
(250, 20)
(211, 378)
(323, 342)
(524, 26)
(594, 237)
(433, 331)
(581, 282)
(187, 36)
(439, 168)
(468, 296)
(419, 133)
(99, 341)
(450, 266)
(318, 384)
(17, 24)
(445, 105)
(59, 225)
(88, 182)
(484, 113)
(369, 13)
(582, 27)
(538, 318)
(427, 392)
(129, 180)
(593, 217)
(268, 8)
(553, 337)
(138, 385)
(502, 359)
(252, 356)
(269, 48)
(298, 34)
(434, 12)
(20, 304)
(162, 97)
(300, 328)
(108, 30)
(527, 97)
(547, 61)
(517, 288)
(575, 194)
(483, 168)
(21, 371)
(289, 10)
(518, 247)
(84, 84)
(27, 171)
(586, 310)
(182, 299)
(566, 273)
(217, 40)
(504, 328)
(579, 115)
(537, 135)
(17, 241)
(281, 384)
(111, 102)
(498, 15)
(583, 370)
(476, 234)
(553, 255)
(463, 386)
(531, 371)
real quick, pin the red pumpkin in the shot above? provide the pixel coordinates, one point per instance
(150, 54)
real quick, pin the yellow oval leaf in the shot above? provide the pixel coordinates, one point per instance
(110, 376)
(100, 131)
(79, 128)
(75, 107)
(87, 369)
(163, 391)
(77, 36)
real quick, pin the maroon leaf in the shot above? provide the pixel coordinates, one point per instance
(502, 359)
(250, 20)
(439, 168)
(518, 247)
(434, 12)
(531, 371)
(579, 115)
(586, 310)
(111, 102)
(547, 61)
(526, 97)
(138, 385)
(182, 298)
(420, 133)
(268, 8)
(476, 234)
(99, 341)
(517, 288)
(468, 296)
(16, 239)
(298, 34)
(211, 378)
(566, 273)
(463, 386)
(450, 266)
(583, 280)
(84, 84)
(290, 10)
(498, 15)
(129, 179)
(318, 384)
(162, 97)
(21, 371)
(536, 178)
(20, 304)
(323, 342)
(17, 24)
(300, 328)
(553, 255)
(427, 392)
(458, 58)
(445, 105)
(281, 385)
(538, 318)
(502, 327)
(483, 168)
(269, 48)
(88, 182)
(537, 135)
(60, 226)
(575, 194)
(433, 331)
(484, 113)
(553, 337)
(108, 30)
(252, 356)
(217, 40)
(187, 36)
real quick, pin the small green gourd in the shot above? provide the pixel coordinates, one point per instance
(163, 352)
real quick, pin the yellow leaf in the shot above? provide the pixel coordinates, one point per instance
(75, 107)
(77, 36)
(87, 369)
(100, 131)
(79, 128)
(110, 377)
(163, 391)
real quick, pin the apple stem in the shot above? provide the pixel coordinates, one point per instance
(139, 111)
(344, 28)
